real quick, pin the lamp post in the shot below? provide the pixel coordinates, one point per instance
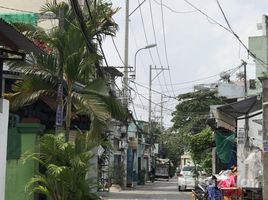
(135, 57)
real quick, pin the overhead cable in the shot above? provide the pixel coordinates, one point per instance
(237, 37)
(175, 11)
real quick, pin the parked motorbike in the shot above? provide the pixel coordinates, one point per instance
(200, 192)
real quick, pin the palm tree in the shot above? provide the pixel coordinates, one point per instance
(78, 65)
(66, 167)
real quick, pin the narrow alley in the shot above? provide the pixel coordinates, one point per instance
(159, 190)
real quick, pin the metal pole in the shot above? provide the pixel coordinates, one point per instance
(246, 126)
(264, 82)
(1, 73)
(161, 119)
(1, 80)
(125, 79)
(265, 120)
(245, 78)
(150, 103)
(125, 89)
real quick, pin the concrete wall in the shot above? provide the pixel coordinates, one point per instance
(249, 160)
(257, 45)
(18, 173)
(3, 146)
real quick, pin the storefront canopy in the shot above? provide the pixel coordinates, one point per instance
(13, 39)
(243, 107)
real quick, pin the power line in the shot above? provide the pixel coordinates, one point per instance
(153, 26)
(208, 77)
(97, 34)
(140, 4)
(175, 11)
(227, 29)
(138, 96)
(144, 31)
(151, 101)
(118, 53)
(237, 37)
(167, 96)
(164, 33)
(207, 16)
(165, 46)
(155, 40)
(15, 9)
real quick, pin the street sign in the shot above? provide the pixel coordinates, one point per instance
(265, 145)
(46, 16)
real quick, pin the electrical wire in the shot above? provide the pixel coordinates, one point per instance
(140, 4)
(19, 10)
(207, 16)
(151, 100)
(155, 40)
(165, 46)
(175, 11)
(153, 26)
(97, 34)
(118, 53)
(167, 96)
(237, 37)
(227, 29)
(145, 34)
(205, 78)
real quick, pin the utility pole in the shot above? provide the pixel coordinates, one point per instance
(246, 126)
(161, 118)
(126, 152)
(125, 78)
(264, 82)
(150, 105)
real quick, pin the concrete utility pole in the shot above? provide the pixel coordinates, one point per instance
(125, 90)
(161, 118)
(264, 82)
(125, 78)
(150, 103)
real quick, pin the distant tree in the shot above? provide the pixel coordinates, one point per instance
(170, 147)
(193, 110)
(189, 119)
(200, 146)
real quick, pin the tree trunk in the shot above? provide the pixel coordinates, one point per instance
(68, 111)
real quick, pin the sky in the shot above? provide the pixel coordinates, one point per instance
(196, 48)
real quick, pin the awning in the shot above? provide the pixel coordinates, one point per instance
(243, 107)
(10, 37)
(19, 17)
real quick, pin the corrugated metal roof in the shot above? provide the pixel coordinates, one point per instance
(241, 108)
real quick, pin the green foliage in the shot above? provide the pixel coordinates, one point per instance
(66, 166)
(84, 93)
(173, 146)
(200, 146)
(117, 174)
(193, 111)
(190, 119)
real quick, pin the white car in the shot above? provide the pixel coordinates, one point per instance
(186, 178)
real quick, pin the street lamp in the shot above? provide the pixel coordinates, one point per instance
(135, 58)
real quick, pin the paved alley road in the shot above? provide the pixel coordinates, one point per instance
(159, 190)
